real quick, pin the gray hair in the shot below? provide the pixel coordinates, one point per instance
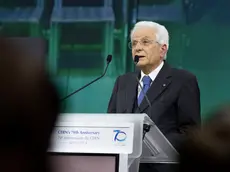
(162, 34)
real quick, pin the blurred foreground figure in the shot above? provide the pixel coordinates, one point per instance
(208, 149)
(28, 105)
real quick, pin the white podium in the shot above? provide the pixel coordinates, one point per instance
(112, 134)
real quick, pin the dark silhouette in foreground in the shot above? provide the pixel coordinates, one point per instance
(28, 105)
(208, 148)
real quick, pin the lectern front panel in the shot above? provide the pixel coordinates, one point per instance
(62, 162)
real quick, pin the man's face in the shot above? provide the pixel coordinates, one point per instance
(144, 45)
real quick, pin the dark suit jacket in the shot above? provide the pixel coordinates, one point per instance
(174, 96)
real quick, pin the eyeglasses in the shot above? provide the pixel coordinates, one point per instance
(143, 42)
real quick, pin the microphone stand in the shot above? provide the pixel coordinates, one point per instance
(146, 127)
(109, 59)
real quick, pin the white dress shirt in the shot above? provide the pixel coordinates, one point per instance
(152, 75)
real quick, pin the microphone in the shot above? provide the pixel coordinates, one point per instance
(108, 59)
(146, 127)
(136, 59)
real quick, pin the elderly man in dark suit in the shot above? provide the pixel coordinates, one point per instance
(173, 93)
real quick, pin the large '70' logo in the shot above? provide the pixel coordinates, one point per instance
(119, 136)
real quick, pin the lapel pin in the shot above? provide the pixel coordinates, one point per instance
(164, 85)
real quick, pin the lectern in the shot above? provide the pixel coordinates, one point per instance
(120, 134)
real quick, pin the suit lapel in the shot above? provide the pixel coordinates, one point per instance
(159, 85)
(130, 91)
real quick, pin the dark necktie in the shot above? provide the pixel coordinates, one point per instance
(146, 84)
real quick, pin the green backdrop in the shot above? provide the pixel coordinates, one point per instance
(77, 45)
